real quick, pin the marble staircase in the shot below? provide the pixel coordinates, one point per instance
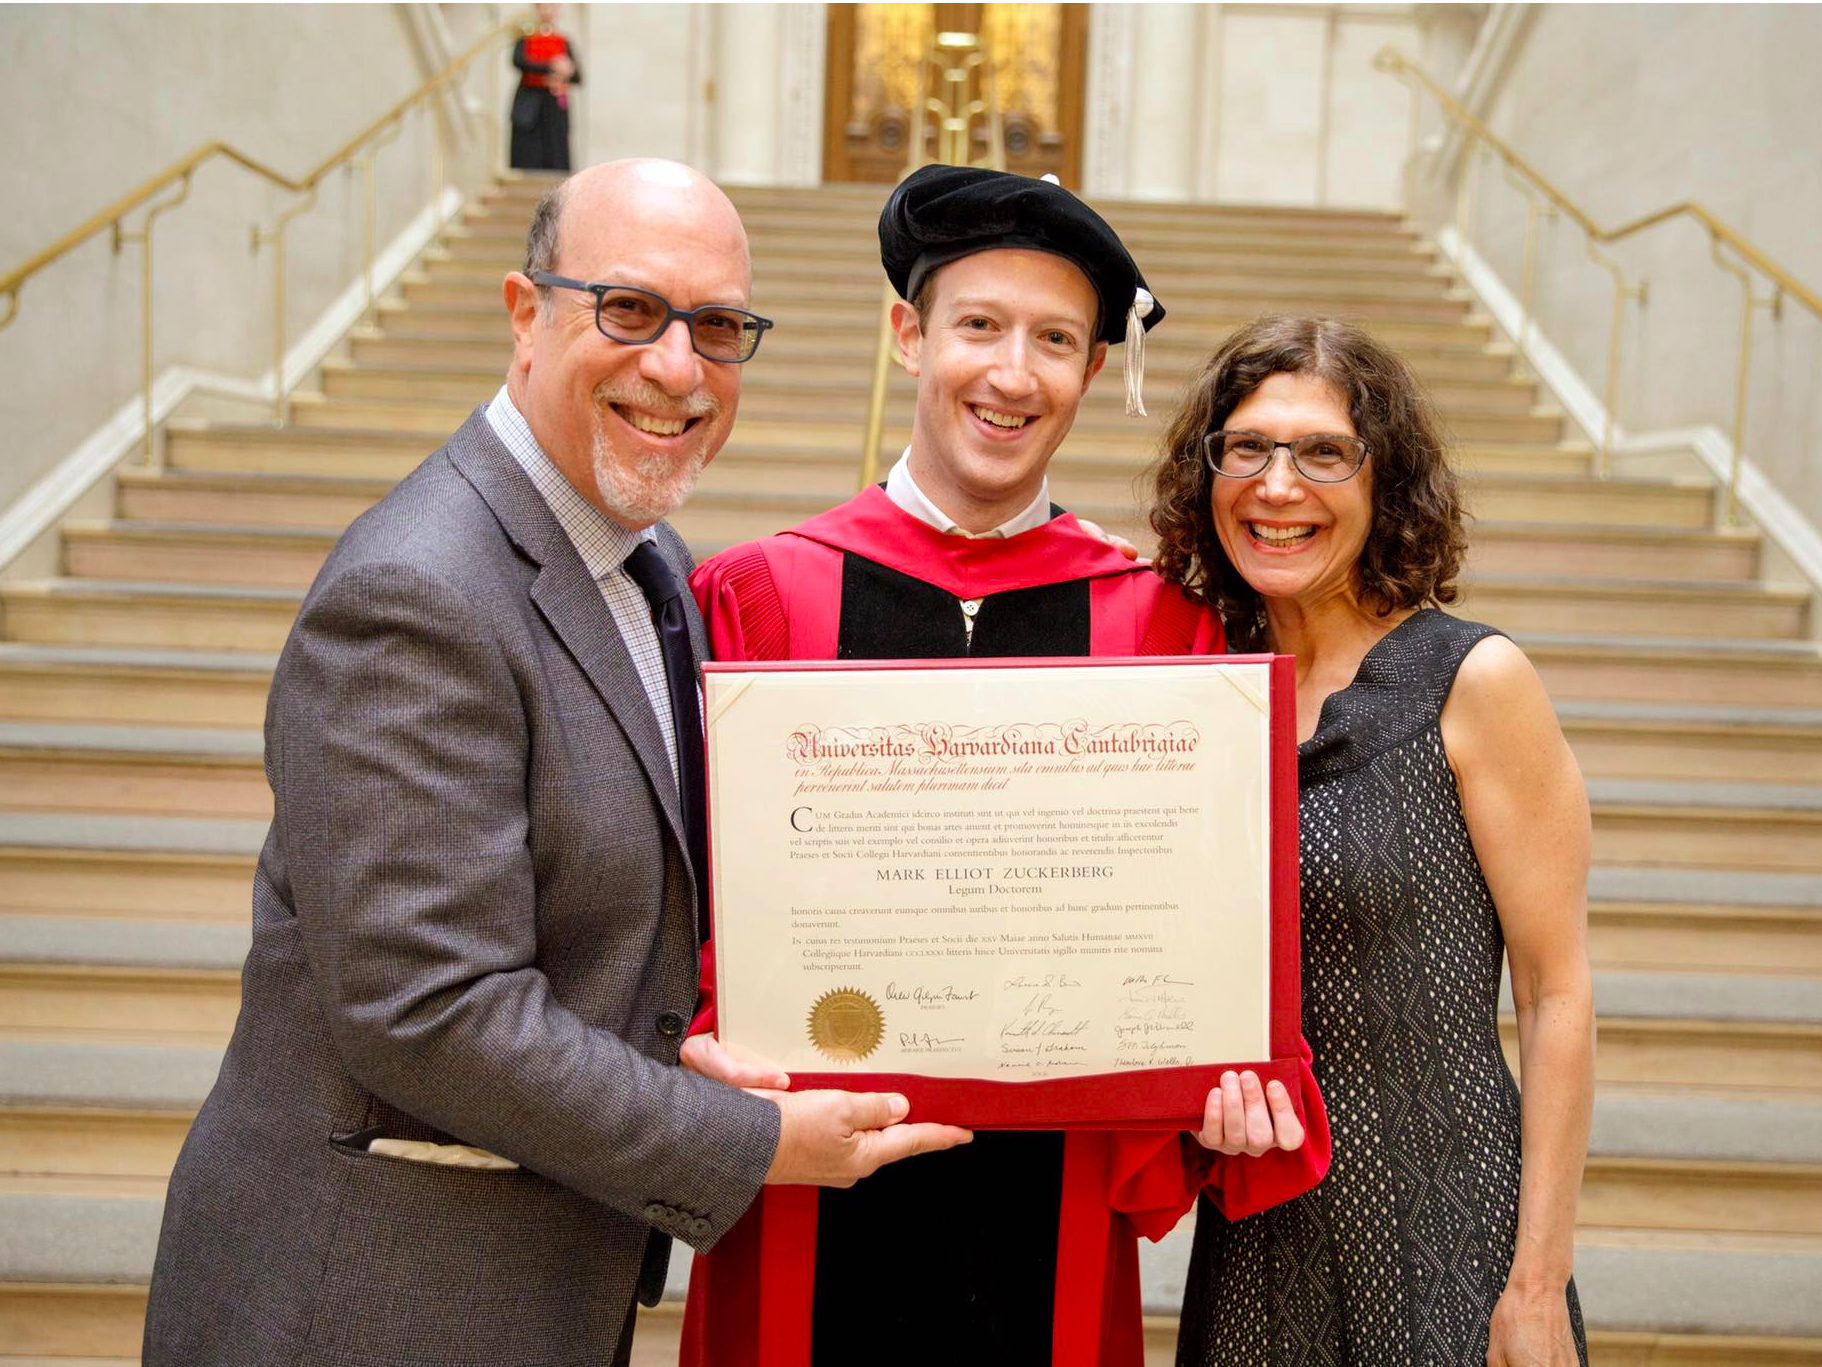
(1684, 668)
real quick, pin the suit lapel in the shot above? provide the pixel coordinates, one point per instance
(570, 601)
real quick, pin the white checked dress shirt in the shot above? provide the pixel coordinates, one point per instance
(903, 491)
(603, 545)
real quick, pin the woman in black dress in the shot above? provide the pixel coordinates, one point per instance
(540, 106)
(1305, 491)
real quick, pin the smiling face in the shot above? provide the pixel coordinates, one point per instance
(1002, 356)
(1291, 537)
(630, 426)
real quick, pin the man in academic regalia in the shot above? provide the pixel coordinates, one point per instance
(1021, 1248)
(540, 106)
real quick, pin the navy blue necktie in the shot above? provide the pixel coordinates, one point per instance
(664, 591)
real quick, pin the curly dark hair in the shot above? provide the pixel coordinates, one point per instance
(1414, 548)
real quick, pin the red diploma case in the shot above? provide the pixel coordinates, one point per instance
(1026, 893)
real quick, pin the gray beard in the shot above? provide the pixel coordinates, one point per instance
(642, 491)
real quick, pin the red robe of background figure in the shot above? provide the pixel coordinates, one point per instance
(869, 581)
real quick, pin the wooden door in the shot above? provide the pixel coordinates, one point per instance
(1039, 54)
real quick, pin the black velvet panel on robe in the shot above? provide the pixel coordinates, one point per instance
(886, 615)
(947, 1258)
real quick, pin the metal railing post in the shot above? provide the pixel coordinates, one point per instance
(1743, 377)
(276, 240)
(149, 447)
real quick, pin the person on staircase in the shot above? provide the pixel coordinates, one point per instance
(1020, 1250)
(540, 106)
(450, 1125)
(1305, 494)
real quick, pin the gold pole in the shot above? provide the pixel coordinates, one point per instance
(439, 174)
(276, 240)
(1603, 466)
(1527, 277)
(1742, 380)
(144, 238)
(1463, 191)
(876, 397)
(369, 165)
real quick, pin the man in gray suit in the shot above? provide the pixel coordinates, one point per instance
(450, 1126)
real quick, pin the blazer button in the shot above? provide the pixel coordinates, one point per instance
(658, 1213)
(699, 1228)
(671, 1023)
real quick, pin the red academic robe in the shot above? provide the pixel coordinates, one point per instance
(783, 598)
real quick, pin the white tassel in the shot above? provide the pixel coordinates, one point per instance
(1135, 353)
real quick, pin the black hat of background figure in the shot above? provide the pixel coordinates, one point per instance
(940, 214)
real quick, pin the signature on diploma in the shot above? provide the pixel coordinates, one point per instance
(929, 996)
(1026, 982)
(1035, 1028)
(1154, 980)
(922, 1042)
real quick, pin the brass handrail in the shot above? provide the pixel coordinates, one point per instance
(182, 171)
(1395, 63)
(957, 60)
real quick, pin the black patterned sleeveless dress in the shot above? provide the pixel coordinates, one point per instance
(1400, 1255)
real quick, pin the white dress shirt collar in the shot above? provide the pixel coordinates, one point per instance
(903, 491)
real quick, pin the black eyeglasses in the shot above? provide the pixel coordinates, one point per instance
(718, 332)
(1323, 458)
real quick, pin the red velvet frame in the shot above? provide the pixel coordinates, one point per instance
(1157, 1098)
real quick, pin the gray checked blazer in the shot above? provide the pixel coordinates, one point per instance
(473, 922)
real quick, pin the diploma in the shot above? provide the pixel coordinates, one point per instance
(1002, 878)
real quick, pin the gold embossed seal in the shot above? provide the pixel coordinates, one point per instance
(846, 1025)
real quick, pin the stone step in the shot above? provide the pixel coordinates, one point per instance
(1733, 611)
(857, 326)
(787, 303)
(166, 870)
(93, 1249)
(1539, 519)
(1767, 1056)
(1701, 742)
(1765, 827)
(1673, 669)
(185, 552)
(274, 557)
(84, 1001)
(201, 616)
(289, 557)
(791, 256)
(813, 275)
(132, 770)
(840, 388)
(492, 347)
(1659, 936)
(141, 614)
(1111, 432)
(828, 454)
(206, 772)
(80, 1000)
(1140, 227)
(783, 426)
(134, 686)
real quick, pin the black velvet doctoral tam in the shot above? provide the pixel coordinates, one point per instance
(940, 214)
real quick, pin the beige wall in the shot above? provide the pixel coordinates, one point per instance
(736, 90)
(1633, 108)
(1248, 103)
(100, 97)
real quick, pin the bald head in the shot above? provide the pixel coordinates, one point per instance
(647, 191)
